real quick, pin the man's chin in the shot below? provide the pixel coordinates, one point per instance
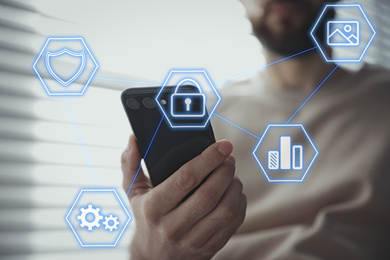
(285, 46)
(283, 51)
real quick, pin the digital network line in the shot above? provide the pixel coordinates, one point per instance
(235, 125)
(266, 65)
(312, 94)
(81, 142)
(128, 81)
(143, 157)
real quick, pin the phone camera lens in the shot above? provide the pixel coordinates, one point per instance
(132, 103)
(149, 103)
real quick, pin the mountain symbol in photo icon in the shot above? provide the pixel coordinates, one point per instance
(340, 37)
(343, 33)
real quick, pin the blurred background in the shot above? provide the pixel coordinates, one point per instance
(136, 43)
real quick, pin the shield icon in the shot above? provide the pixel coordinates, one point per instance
(67, 81)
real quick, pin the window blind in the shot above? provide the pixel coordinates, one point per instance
(42, 165)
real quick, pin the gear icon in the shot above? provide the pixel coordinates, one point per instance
(108, 226)
(94, 222)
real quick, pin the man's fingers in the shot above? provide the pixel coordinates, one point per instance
(224, 214)
(220, 238)
(190, 175)
(133, 176)
(205, 198)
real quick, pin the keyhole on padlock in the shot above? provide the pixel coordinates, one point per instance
(188, 102)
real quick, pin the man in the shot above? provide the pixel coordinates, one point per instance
(340, 211)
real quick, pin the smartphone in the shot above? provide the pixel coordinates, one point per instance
(164, 149)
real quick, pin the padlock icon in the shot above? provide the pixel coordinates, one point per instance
(188, 104)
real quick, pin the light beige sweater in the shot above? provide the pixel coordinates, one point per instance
(342, 209)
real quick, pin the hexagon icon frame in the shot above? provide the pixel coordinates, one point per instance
(120, 203)
(189, 73)
(285, 126)
(320, 46)
(46, 86)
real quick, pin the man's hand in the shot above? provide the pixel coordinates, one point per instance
(168, 227)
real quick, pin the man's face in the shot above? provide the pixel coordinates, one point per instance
(283, 25)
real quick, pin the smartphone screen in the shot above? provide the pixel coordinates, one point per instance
(163, 148)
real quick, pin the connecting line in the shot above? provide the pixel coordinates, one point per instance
(128, 81)
(312, 94)
(267, 65)
(146, 154)
(237, 126)
(82, 143)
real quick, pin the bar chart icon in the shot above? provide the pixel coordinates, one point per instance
(285, 153)
(288, 157)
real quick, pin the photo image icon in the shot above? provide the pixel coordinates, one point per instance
(343, 33)
(350, 29)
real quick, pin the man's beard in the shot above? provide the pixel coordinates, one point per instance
(286, 45)
(291, 42)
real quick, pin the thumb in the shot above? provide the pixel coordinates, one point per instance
(134, 180)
